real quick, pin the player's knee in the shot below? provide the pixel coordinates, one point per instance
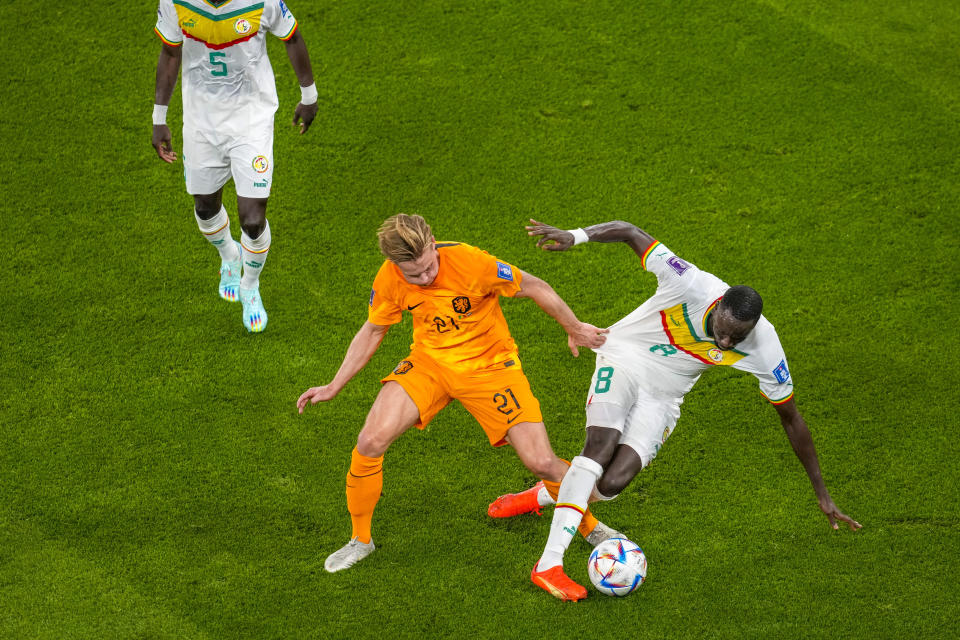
(613, 482)
(253, 215)
(601, 444)
(253, 226)
(371, 443)
(206, 207)
(547, 467)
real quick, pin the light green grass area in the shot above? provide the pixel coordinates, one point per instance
(157, 482)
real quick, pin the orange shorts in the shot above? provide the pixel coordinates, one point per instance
(498, 398)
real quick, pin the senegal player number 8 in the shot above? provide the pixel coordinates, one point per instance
(604, 374)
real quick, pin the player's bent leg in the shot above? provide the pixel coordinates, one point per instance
(555, 582)
(623, 468)
(601, 444)
(229, 288)
(392, 413)
(214, 224)
(530, 441)
(255, 242)
(571, 506)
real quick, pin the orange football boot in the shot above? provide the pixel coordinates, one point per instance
(556, 582)
(514, 504)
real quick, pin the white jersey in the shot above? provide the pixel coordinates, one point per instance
(665, 344)
(228, 85)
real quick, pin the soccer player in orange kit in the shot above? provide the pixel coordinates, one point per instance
(462, 349)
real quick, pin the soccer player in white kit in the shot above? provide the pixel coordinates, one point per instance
(651, 358)
(229, 100)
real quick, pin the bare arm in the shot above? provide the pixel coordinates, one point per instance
(300, 61)
(361, 349)
(801, 441)
(554, 239)
(579, 334)
(168, 68)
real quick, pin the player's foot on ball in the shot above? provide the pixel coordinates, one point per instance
(514, 504)
(602, 532)
(348, 555)
(556, 582)
(230, 277)
(254, 315)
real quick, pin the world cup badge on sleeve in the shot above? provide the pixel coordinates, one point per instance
(677, 265)
(781, 373)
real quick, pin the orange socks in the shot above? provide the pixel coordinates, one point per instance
(587, 524)
(364, 483)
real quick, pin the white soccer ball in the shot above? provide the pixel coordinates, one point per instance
(617, 567)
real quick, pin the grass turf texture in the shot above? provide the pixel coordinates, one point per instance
(157, 482)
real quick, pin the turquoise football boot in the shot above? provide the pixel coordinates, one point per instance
(254, 315)
(230, 277)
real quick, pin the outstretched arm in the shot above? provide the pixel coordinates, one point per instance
(300, 61)
(802, 443)
(579, 334)
(168, 68)
(554, 239)
(361, 349)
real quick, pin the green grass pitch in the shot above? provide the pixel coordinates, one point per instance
(156, 481)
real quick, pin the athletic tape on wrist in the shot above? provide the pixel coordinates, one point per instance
(308, 95)
(579, 236)
(159, 114)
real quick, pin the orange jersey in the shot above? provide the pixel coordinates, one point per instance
(457, 320)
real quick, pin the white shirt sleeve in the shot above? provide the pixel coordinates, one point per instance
(769, 364)
(673, 273)
(277, 19)
(168, 24)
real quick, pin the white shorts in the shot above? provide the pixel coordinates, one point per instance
(210, 159)
(619, 400)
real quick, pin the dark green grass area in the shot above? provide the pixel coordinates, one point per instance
(156, 481)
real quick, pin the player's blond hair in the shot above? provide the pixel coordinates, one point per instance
(404, 237)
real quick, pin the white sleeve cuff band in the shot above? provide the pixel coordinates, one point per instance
(308, 95)
(579, 236)
(159, 114)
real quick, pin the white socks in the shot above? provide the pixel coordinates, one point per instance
(572, 501)
(217, 231)
(544, 498)
(254, 255)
